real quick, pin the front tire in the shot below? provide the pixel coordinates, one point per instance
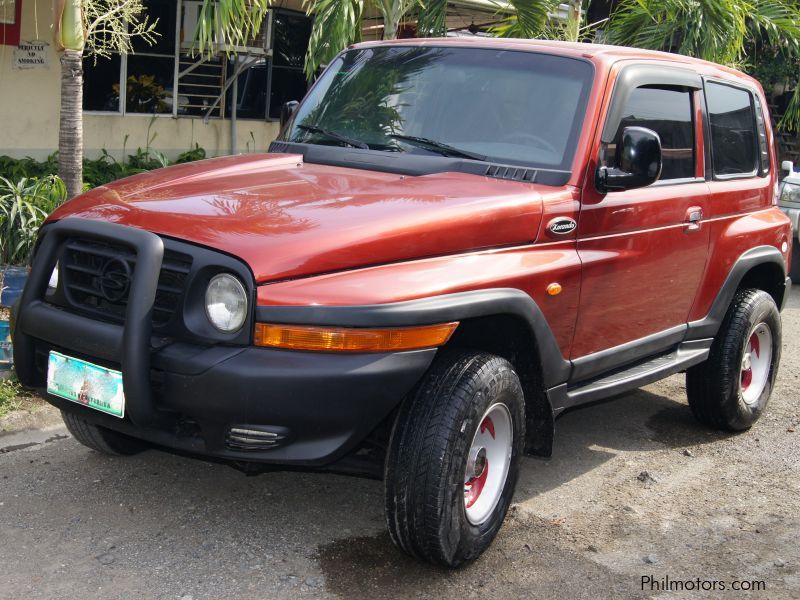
(453, 458)
(731, 389)
(99, 438)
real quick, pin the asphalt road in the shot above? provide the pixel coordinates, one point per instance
(635, 489)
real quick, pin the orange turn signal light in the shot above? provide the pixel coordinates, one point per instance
(341, 339)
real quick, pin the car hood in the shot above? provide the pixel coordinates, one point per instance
(288, 219)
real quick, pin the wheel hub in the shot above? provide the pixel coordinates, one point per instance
(477, 464)
(756, 363)
(487, 465)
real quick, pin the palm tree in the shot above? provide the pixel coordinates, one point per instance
(91, 28)
(337, 23)
(715, 30)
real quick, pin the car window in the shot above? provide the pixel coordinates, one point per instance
(668, 112)
(509, 106)
(733, 133)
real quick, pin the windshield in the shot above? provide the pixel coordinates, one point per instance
(474, 103)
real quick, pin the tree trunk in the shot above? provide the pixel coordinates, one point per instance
(390, 27)
(70, 131)
(392, 13)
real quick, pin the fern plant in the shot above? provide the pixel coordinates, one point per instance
(24, 206)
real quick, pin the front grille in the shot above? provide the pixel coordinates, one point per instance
(97, 278)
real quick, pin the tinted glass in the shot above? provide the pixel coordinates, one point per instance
(251, 99)
(287, 84)
(290, 39)
(101, 83)
(733, 135)
(149, 84)
(668, 112)
(163, 14)
(512, 107)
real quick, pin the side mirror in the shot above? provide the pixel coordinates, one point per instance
(287, 110)
(788, 166)
(637, 162)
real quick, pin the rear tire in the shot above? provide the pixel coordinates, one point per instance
(731, 389)
(453, 458)
(99, 438)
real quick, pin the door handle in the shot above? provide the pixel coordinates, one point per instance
(693, 218)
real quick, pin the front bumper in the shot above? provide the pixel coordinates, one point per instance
(316, 407)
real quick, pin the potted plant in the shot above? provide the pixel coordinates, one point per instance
(24, 205)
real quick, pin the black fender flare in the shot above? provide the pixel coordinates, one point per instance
(436, 309)
(708, 326)
(555, 369)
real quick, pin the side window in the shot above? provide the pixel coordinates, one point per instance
(733, 130)
(668, 112)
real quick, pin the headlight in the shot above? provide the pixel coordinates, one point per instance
(790, 193)
(53, 283)
(226, 303)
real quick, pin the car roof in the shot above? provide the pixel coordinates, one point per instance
(602, 54)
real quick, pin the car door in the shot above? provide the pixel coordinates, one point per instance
(740, 182)
(643, 251)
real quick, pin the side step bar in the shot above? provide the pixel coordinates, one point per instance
(680, 358)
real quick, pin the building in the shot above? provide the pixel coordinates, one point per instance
(162, 97)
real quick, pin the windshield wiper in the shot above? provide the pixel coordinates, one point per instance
(335, 136)
(440, 147)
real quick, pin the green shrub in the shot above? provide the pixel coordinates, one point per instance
(196, 153)
(24, 206)
(97, 171)
(10, 391)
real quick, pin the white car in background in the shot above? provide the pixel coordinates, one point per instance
(789, 201)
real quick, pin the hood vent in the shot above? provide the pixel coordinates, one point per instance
(512, 173)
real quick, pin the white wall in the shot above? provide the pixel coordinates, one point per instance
(29, 109)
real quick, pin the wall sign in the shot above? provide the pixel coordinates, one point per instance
(32, 54)
(10, 21)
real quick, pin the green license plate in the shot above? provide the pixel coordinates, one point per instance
(82, 382)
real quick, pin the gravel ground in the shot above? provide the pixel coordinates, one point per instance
(635, 489)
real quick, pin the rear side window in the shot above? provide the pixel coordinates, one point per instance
(668, 112)
(733, 130)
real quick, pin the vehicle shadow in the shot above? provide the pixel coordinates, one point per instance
(183, 521)
(586, 437)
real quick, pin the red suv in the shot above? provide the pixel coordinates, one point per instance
(452, 242)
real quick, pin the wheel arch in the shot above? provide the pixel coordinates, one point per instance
(763, 268)
(767, 276)
(508, 336)
(503, 321)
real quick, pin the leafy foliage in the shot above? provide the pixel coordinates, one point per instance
(102, 27)
(529, 20)
(24, 206)
(717, 30)
(228, 23)
(10, 391)
(337, 24)
(143, 94)
(99, 171)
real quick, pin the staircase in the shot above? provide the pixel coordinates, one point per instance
(200, 84)
(787, 143)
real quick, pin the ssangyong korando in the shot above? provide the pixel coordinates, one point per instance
(451, 243)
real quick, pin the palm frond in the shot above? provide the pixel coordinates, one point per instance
(228, 23)
(337, 24)
(432, 18)
(529, 19)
